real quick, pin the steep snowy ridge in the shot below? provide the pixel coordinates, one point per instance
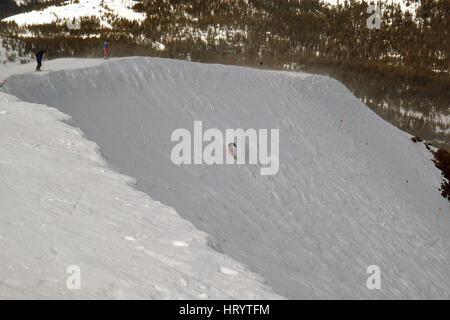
(347, 195)
(61, 205)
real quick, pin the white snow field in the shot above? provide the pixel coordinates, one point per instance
(347, 195)
(82, 8)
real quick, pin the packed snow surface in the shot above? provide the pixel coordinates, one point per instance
(352, 190)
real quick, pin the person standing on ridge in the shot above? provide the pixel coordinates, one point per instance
(105, 49)
(232, 148)
(39, 57)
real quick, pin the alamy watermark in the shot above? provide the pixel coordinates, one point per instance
(374, 280)
(74, 280)
(374, 20)
(238, 146)
(71, 23)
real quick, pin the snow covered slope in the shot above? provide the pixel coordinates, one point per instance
(61, 205)
(346, 196)
(82, 8)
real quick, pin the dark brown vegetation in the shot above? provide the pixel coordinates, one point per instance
(442, 161)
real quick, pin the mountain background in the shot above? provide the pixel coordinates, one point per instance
(352, 189)
(400, 71)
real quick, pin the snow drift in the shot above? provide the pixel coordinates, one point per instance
(347, 195)
(61, 206)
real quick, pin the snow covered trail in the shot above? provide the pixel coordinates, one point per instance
(61, 205)
(346, 196)
(8, 70)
